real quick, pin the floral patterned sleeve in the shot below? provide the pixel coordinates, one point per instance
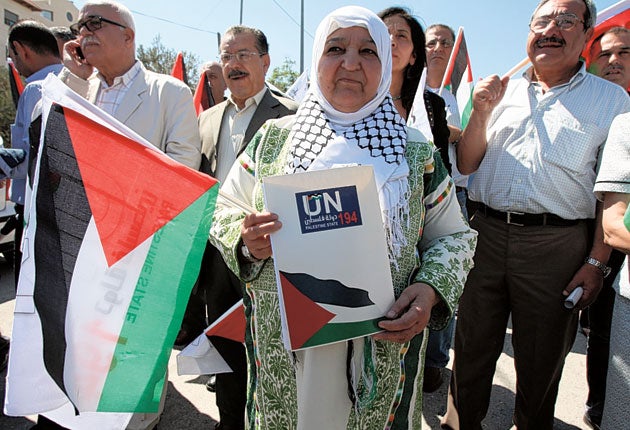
(225, 233)
(447, 244)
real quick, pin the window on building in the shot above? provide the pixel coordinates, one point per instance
(48, 14)
(69, 17)
(10, 18)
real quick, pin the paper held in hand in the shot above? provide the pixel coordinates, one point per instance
(330, 256)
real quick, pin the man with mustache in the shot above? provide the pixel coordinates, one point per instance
(610, 59)
(610, 56)
(158, 107)
(534, 145)
(226, 129)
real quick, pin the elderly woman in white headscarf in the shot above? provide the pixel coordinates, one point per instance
(348, 118)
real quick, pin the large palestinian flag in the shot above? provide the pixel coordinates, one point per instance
(112, 248)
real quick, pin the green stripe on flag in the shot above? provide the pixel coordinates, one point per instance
(334, 331)
(136, 375)
(467, 110)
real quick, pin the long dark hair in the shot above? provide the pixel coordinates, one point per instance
(412, 73)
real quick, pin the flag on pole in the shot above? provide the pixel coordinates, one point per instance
(203, 98)
(113, 244)
(179, 68)
(458, 78)
(17, 87)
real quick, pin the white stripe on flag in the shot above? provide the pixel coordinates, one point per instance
(98, 301)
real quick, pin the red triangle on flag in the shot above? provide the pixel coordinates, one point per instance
(179, 69)
(304, 316)
(200, 99)
(133, 191)
(230, 325)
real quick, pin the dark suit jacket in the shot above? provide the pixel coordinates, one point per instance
(221, 285)
(271, 106)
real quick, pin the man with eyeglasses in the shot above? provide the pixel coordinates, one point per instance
(102, 66)
(534, 145)
(226, 129)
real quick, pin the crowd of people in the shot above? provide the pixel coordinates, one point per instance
(544, 160)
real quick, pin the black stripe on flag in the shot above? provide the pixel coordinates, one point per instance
(328, 291)
(63, 214)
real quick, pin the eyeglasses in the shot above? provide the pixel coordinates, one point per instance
(92, 23)
(564, 21)
(241, 56)
(432, 44)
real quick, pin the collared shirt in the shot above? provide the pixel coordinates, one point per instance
(543, 147)
(453, 119)
(109, 97)
(233, 127)
(31, 95)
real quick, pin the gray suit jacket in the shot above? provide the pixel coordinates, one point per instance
(271, 106)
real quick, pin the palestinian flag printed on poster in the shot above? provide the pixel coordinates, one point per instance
(330, 289)
(458, 78)
(114, 240)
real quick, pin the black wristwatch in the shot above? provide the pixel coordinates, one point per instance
(601, 266)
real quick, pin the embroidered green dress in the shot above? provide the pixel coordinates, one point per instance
(439, 242)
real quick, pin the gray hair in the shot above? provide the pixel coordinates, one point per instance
(589, 15)
(123, 11)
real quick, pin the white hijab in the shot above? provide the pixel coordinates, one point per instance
(352, 16)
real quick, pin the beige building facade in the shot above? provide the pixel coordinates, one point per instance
(51, 13)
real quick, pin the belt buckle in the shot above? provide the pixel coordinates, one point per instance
(509, 218)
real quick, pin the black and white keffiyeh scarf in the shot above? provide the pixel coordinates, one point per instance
(378, 139)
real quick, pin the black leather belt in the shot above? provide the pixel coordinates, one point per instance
(524, 219)
(460, 189)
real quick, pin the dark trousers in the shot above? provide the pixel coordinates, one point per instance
(519, 271)
(223, 289)
(600, 319)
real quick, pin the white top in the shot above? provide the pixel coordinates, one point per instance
(233, 127)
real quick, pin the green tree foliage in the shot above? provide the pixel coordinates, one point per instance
(160, 59)
(7, 109)
(284, 75)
